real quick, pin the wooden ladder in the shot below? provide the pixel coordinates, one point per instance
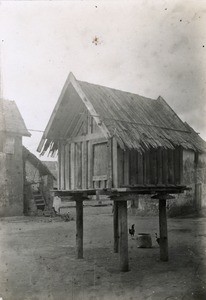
(39, 200)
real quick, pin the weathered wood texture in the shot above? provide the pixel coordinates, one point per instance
(79, 229)
(137, 122)
(198, 185)
(62, 166)
(59, 166)
(123, 236)
(78, 165)
(157, 166)
(67, 172)
(100, 163)
(116, 226)
(85, 164)
(163, 231)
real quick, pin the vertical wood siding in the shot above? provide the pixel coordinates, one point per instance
(72, 165)
(158, 166)
(120, 164)
(78, 165)
(100, 163)
(90, 164)
(59, 166)
(67, 167)
(62, 166)
(125, 166)
(84, 164)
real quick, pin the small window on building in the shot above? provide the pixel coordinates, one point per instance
(9, 145)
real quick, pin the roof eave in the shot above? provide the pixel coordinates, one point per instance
(72, 80)
(47, 129)
(18, 133)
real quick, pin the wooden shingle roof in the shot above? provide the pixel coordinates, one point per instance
(11, 119)
(137, 122)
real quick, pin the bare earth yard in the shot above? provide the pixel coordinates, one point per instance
(37, 260)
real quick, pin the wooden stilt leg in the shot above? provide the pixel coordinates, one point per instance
(163, 230)
(116, 227)
(123, 242)
(79, 229)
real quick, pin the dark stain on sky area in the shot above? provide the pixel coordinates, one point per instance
(96, 40)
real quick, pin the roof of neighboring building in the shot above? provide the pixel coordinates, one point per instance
(137, 122)
(11, 119)
(37, 163)
(52, 166)
(195, 136)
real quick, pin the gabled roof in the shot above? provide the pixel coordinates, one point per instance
(137, 122)
(37, 163)
(11, 119)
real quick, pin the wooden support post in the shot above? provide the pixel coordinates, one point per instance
(123, 242)
(116, 226)
(163, 230)
(79, 228)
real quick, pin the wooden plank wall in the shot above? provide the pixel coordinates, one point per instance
(62, 166)
(159, 166)
(67, 166)
(85, 161)
(84, 164)
(99, 163)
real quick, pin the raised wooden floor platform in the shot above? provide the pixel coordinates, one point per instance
(137, 189)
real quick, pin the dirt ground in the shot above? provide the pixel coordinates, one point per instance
(37, 260)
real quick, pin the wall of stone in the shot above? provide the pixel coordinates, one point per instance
(47, 186)
(201, 179)
(32, 175)
(34, 181)
(11, 178)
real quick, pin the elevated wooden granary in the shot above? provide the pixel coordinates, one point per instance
(108, 138)
(121, 144)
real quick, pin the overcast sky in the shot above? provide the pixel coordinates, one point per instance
(150, 48)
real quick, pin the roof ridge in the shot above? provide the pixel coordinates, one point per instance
(118, 90)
